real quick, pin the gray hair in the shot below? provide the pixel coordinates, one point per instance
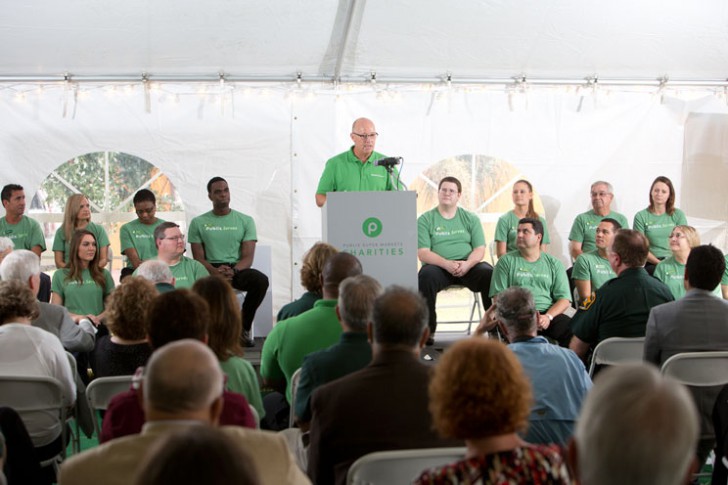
(20, 265)
(182, 376)
(516, 309)
(5, 244)
(155, 271)
(399, 317)
(356, 300)
(636, 426)
(610, 189)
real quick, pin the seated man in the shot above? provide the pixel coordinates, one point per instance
(183, 387)
(592, 269)
(170, 249)
(451, 246)
(636, 426)
(559, 380)
(542, 274)
(582, 234)
(621, 306)
(383, 406)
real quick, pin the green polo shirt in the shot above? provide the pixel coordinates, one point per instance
(506, 230)
(26, 234)
(584, 228)
(590, 266)
(453, 239)
(545, 278)
(657, 229)
(222, 236)
(85, 297)
(138, 236)
(346, 173)
(60, 243)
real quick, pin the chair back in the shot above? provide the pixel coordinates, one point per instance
(399, 466)
(294, 387)
(100, 391)
(617, 350)
(700, 369)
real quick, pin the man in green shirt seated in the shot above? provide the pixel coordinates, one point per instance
(137, 237)
(591, 268)
(354, 170)
(170, 249)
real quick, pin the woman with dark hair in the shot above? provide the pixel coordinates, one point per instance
(505, 230)
(224, 334)
(83, 285)
(77, 216)
(479, 393)
(658, 220)
(126, 348)
(311, 269)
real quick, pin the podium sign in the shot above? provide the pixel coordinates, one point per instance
(379, 228)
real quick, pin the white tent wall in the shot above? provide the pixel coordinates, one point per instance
(271, 146)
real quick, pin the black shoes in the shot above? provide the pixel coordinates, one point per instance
(246, 340)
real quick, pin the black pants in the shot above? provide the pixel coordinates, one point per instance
(433, 279)
(255, 284)
(559, 330)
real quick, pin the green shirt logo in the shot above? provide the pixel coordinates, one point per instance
(372, 227)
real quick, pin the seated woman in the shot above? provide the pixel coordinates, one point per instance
(126, 348)
(77, 216)
(311, 269)
(226, 326)
(480, 394)
(27, 351)
(82, 286)
(506, 228)
(671, 270)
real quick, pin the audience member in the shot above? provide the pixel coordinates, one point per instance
(479, 393)
(312, 268)
(507, 226)
(621, 306)
(636, 426)
(137, 237)
(224, 339)
(77, 216)
(157, 272)
(383, 406)
(182, 389)
(6, 247)
(696, 322)
(126, 348)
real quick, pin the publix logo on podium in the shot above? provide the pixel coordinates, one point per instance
(372, 227)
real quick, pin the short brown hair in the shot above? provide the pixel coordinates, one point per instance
(313, 263)
(631, 246)
(452, 180)
(126, 309)
(479, 389)
(16, 301)
(177, 315)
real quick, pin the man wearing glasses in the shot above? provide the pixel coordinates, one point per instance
(354, 170)
(137, 236)
(171, 247)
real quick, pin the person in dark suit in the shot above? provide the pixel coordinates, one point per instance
(696, 322)
(383, 406)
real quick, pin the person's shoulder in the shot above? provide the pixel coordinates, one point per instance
(201, 217)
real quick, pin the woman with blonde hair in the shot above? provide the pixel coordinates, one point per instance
(77, 216)
(671, 270)
(505, 230)
(479, 393)
(311, 269)
(224, 336)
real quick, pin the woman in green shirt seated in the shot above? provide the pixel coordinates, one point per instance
(505, 229)
(76, 216)
(671, 270)
(82, 286)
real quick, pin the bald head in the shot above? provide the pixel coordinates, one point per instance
(337, 268)
(183, 380)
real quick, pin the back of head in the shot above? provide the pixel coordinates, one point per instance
(356, 301)
(479, 390)
(182, 377)
(704, 268)
(126, 308)
(632, 247)
(225, 322)
(399, 318)
(200, 454)
(16, 301)
(636, 426)
(177, 315)
(6, 244)
(312, 266)
(337, 268)
(155, 271)
(516, 309)
(20, 265)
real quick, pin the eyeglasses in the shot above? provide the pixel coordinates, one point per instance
(365, 136)
(175, 238)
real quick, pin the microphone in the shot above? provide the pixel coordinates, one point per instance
(388, 162)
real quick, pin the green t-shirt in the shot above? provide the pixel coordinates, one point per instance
(138, 236)
(590, 266)
(507, 230)
(84, 298)
(657, 229)
(724, 280)
(584, 228)
(241, 378)
(453, 239)
(545, 278)
(346, 173)
(222, 236)
(60, 243)
(26, 234)
(672, 273)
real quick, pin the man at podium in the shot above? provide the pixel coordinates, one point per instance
(355, 169)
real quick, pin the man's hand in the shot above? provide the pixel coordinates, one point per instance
(544, 321)
(225, 272)
(463, 268)
(452, 267)
(488, 322)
